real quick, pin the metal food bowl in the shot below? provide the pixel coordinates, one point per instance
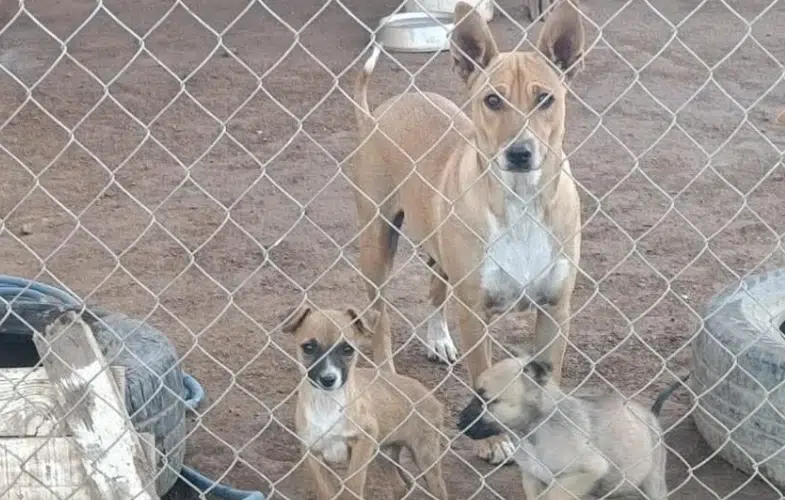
(484, 7)
(416, 32)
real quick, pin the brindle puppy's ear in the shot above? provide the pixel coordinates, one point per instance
(471, 43)
(562, 39)
(539, 371)
(364, 326)
(294, 318)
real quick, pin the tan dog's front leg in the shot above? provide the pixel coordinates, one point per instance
(477, 345)
(440, 345)
(551, 331)
(474, 342)
(362, 453)
(320, 475)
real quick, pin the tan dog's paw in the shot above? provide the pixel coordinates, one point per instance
(439, 342)
(442, 350)
(496, 450)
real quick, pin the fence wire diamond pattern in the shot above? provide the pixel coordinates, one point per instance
(185, 163)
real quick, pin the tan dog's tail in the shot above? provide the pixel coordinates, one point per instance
(781, 117)
(361, 110)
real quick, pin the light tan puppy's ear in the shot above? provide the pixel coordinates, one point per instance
(294, 318)
(781, 117)
(471, 42)
(514, 351)
(539, 371)
(562, 39)
(363, 326)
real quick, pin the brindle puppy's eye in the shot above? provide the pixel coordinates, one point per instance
(347, 349)
(493, 101)
(309, 347)
(544, 100)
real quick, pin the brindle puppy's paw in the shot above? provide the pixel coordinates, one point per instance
(496, 450)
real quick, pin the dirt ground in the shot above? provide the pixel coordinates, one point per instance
(218, 205)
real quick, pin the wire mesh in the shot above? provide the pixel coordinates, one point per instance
(186, 163)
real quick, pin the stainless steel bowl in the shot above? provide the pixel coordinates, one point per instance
(416, 32)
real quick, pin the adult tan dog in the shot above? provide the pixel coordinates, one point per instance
(491, 199)
(345, 413)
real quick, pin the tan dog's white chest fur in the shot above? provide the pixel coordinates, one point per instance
(522, 264)
(326, 428)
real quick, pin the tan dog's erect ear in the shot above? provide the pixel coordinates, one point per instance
(365, 325)
(471, 42)
(562, 38)
(781, 117)
(532, 9)
(294, 318)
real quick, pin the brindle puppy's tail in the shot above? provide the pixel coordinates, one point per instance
(666, 393)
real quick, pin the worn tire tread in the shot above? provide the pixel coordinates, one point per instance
(741, 323)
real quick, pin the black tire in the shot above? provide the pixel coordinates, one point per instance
(743, 325)
(155, 395)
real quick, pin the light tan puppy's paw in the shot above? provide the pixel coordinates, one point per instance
(496, 450)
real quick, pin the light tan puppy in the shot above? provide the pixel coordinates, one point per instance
(346, 413)
(491, 200)
(588, 443)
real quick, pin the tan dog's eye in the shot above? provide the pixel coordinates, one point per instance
(347, 349)
(493, 102)
(544, 100)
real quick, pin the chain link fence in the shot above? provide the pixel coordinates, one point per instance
(184, 163)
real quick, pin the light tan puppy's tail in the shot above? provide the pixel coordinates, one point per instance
(361, 109)
(666, 393)
(781, 117)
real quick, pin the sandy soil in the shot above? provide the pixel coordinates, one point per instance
(214, 206)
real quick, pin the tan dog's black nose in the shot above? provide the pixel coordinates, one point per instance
(519, 156)
(327, 380)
